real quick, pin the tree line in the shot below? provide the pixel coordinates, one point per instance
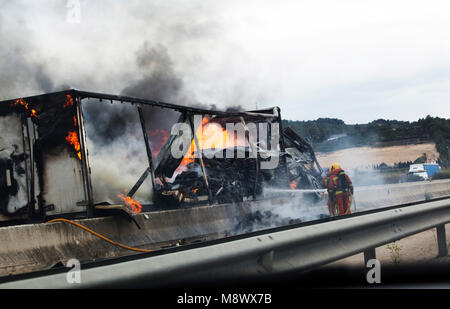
(330, 134)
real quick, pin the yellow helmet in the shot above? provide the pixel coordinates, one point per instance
(335, 166)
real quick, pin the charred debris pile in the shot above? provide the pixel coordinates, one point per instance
(53, 149)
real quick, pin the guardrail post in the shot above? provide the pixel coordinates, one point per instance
(442, 241)
(266, 261)
(369, 254)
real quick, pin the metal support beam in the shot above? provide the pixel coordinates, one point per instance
(442, 241)
(262, 114)
(199, 153)
(255, 151)
(369, 254)
(28, 147)
(139, 183)
(267, 261)
(282, 146)
(84, 159)
(147, 147)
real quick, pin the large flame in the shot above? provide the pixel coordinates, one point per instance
(21, 102)
(211, 135)
(131, 203)
(72, 138)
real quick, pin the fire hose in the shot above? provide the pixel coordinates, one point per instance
(100, 236)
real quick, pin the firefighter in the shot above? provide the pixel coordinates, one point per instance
(331, 205)
(340, 191)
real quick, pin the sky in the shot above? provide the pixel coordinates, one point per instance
(354, 60)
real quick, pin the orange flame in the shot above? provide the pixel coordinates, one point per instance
(131, 203)
(163, 136)
(72, 138)
(21, 102)
(68, 102)
(211, 135)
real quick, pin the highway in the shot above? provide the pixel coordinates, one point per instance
(261, 254)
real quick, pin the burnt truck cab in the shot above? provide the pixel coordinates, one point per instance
(263, 156)
(67, 153)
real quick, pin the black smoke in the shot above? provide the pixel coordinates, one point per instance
(107, 122)
(159, 81)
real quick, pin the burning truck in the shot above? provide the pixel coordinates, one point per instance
(73, 153)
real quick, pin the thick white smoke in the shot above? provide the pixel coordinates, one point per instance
(274, 212)
(116, 167)
(117, 154)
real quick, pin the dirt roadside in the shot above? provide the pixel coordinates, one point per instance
(417, 248)
(367, 156)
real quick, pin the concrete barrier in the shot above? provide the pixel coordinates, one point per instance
(396, 194)
(29, 248)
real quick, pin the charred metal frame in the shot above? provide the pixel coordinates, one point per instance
(189, 113)
(147, 146)
(200, 156)
(282, 146)
(122, 99)
(29, 166)
(139, 183)
(79, 96)
(289, 135)
(255, 151)
(84, 160)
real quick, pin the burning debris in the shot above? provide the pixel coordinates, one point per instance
(232, 157)
(239, 178)
(236, 178)
(229, 181)
(134, 205)
(305, 171)
(21, 102)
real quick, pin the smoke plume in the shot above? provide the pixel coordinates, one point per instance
(159, 82)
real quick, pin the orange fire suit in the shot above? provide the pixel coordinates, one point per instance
(340, 189)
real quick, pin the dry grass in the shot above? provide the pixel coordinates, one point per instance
(366, 156)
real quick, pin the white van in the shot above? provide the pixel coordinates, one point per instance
(418, 170)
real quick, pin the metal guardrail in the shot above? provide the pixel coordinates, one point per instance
(279, 252)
